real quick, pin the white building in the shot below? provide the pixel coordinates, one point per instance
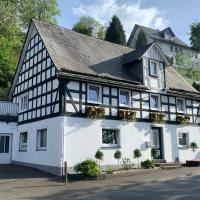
(168, 42)
(61, 74)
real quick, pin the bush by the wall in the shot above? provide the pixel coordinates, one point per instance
(147, 164)
(88, 167)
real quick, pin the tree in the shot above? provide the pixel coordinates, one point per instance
(118, 155)
(153, 152)
(195, 35)
(99, 156)
(137, 154)
(141, 39)
(183, 59)
(115, 32)
(90, 27)
(193, 146)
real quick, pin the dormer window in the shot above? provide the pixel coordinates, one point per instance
(153, 68)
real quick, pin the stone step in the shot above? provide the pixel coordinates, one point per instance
(167, 164)
(159, 161)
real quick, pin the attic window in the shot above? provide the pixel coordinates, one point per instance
(153, 71)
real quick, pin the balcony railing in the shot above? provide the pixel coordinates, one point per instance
(8, 109)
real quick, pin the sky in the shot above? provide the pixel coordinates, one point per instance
(158, 14)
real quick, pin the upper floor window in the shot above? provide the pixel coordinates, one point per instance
(124, 99)
(94, 94)
(23, 102)
(154, 101)
(23, 141)
(153, 68)
(171, 48)
(180, 105)
(41, 139)
(110, 137)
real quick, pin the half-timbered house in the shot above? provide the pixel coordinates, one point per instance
(78, 94)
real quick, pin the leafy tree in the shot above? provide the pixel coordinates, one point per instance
(90, 27)
(118, 155)
(153, 152)
(195, 35)
(183, 59)
(141, 39)
(194, 146)
(99, 156)
(137, 154)
(115, 32)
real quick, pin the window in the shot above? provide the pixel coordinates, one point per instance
(110, 137)
(154, 101)
(171, 48)
(180, 105)
(41, 139)
(183, 139)
(124, 98)
(4, 144)
(23, 141)
(23, 104)
(153, 68)
(94, 94)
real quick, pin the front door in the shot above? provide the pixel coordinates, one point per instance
(5, 148)
(157, 142)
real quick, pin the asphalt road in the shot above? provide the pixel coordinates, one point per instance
(25, 183)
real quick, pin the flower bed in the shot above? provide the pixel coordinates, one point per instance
(183, 119)
(95, 112)
(192, 163)
(128, 115)
(157, 117)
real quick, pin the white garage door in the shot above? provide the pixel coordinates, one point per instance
(5, 148)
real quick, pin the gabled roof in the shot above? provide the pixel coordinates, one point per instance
(158, 35)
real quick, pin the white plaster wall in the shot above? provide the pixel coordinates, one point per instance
(82, 138)
(7, 127)
(53, 155)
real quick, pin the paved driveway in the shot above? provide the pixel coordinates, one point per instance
(18, 182)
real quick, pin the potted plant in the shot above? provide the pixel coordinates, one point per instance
(95, 112)
(194, 147)
(118, 155)
(153, 152)
(137, 154)
(99, 156)
(129, 115)
(157, 117)
(183, 119)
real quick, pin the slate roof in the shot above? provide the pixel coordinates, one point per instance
(74, 52)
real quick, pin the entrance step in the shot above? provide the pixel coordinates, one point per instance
(168, 165)
(159, 161)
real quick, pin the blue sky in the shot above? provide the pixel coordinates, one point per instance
(178, 14)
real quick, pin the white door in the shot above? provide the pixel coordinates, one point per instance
(5, 148)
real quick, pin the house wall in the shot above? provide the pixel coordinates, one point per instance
(49, 160)
(83, 137)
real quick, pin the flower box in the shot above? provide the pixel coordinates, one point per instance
(95, 112)
(183, 119)
(128, 115)
(157, 117)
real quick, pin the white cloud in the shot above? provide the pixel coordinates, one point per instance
(129, 14)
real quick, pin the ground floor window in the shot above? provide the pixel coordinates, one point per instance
(23, 141)
(183, 139)
(4, 144)
(42, 139)
(110, 137)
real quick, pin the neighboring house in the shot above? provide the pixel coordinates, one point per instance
(63, 75)
(168, 42)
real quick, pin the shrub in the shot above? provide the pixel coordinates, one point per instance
(137, 154)
(194, 146)
(109, 170)
(99, 156)
(88, 168)
(126, 162)
(147, 164)
(153, 152)
(118, 155)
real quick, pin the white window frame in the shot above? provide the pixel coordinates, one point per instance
(38, 140)
(23, 145)
(23, 106)
(111, 145)
(100, 94)
(129, 98)
(158, 102)
(187, 138)
(157, 67)
(179, 111)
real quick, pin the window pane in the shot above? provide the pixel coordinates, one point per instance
(7, 144)
(153, 68)
(182, 139)
(124, 97)
(154, 101)
(2, 142)
(94, 93)
(43, 138)
(110, 136)
(180, 105)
